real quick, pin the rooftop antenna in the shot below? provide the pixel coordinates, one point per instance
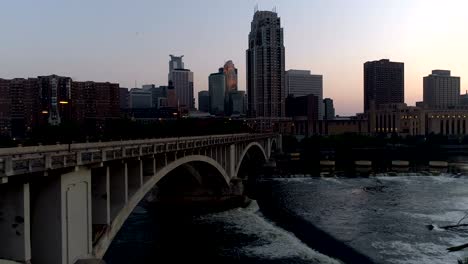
(256, 8)
(274, 9)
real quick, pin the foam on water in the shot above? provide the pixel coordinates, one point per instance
(451, 216)
(273, 242)
(415, 253)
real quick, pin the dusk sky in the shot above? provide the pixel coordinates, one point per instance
(128, 41)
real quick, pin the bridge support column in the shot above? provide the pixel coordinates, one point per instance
(61, 223)
(232, 161)
(134, 176)
(279, 143)
(118, 187)
(148, 169)
(15, 242)
(100, 188)
(268, 148)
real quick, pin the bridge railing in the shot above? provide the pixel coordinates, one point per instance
(22, 160)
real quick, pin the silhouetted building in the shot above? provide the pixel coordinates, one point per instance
(265, 66)
(236, 103)
(5, 107)
(441, 90)
(302, 83)
(19, 106)
(329, 109)
(158, 96)
(29, 103)
(148, 87)
(303, 106)
(171, 96)
(384, 83)
(204, 101)
(140, 98)
(182, 80)
(464, 99)
(304, 112)
(217, 84)
(95, 102)
(55, 94)
(124, 98)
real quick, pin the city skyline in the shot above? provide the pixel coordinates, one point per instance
(134, 45)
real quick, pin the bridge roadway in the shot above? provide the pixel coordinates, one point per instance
(62, 204)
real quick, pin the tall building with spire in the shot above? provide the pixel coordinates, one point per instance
(266, 66)
(175, 63)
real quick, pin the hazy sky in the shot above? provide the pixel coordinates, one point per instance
(123, 41)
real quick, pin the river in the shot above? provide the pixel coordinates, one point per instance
(381, 219)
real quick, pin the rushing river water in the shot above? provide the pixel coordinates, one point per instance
(375, 220)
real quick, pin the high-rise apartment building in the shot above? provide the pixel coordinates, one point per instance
(55, 93)
(384, 83)
(302, 83)
(441, 90)
(265, 66)
(95, 102)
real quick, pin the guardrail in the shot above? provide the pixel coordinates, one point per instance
(22, 160)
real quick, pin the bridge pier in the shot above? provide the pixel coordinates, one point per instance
(118, 188)
(148, 168)
(61, 221)
(15, 242)
(100, 189)
(134, 176)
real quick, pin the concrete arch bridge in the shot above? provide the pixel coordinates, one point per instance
(62, 204)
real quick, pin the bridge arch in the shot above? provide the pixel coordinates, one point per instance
(273, 146)
(244, 153)
(103, 244)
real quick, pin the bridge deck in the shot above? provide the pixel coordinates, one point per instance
(22, 160)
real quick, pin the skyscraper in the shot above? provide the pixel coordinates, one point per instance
(384, 83)
(230, 74)
(217, 84)
(302, 83)
(441, 90)
(175, 63)
(265, 66)
(182, 80)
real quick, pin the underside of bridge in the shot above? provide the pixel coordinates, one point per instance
(252, 164)
(197, 185)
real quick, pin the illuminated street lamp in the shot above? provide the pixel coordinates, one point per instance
(63, 102)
